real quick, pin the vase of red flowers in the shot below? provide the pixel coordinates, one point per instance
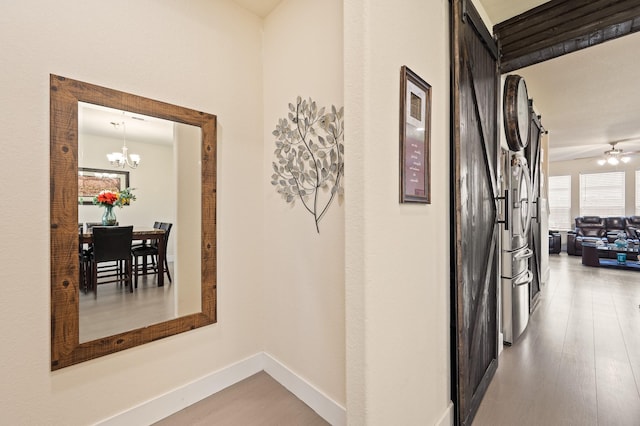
(109, 199)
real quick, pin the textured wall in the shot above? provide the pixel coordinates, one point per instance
(304, 271)
(199, 54)
(397, 255)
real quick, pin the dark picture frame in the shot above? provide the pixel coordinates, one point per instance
(92, 181)
(415, 138)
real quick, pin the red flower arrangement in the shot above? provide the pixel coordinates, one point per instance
(106, 198)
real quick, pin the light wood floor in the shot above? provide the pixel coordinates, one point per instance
(116, 310)
(256, 401)
(578, 362)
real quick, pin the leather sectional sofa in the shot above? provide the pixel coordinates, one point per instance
(593, 228)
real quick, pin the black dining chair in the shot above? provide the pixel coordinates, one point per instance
(151, 250)
(112, 243)
(83, 262)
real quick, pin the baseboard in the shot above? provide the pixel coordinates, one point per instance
(163, 406)
(326, 408)
(447, 417)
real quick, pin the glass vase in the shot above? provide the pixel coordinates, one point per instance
(109, 216)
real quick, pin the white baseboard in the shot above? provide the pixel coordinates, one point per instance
(447, 417)
(163, 406)
(326, 408)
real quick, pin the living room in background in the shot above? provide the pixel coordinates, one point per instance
(602, 194)
(560, 203)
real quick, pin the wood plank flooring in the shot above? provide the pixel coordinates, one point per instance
(116, 310)
(256, 401)
(578, 362)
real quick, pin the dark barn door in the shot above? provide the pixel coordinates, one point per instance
(532, 153)
(475, 148)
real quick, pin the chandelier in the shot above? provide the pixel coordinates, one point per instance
(613, 156)
(122, 159)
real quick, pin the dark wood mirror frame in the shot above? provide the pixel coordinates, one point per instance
(65, 94)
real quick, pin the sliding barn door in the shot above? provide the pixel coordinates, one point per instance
(532, 153)
(475, 149)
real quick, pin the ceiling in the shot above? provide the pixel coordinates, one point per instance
(260, 7)
(99, 121)
(585, 98)
(501, 10)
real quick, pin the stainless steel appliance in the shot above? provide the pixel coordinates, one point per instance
(516, 273)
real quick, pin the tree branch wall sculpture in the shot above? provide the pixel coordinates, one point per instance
(309, 156)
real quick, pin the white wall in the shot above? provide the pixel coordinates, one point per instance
(201, 54)
(152, 181)
(304, 270)
(186, 231)
(397, 255)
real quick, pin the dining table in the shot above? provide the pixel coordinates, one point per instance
(140, 233)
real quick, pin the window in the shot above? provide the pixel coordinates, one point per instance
(560, 202)
(602, 194)
(637, 192)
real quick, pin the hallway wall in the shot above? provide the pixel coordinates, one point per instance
(199, 54)
(304, 307)
(397, 255)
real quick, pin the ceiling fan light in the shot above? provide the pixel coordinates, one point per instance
(625, 159)
(613, 161)
(602, 162)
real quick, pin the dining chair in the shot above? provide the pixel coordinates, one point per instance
(156, 225)
(151, 250)
(83, 262)
(105, 267)
(112, 243)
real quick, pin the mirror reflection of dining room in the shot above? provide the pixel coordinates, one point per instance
(136, 175)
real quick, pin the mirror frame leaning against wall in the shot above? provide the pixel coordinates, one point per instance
(65, 94)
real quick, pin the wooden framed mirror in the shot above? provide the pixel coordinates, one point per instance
(65, 96)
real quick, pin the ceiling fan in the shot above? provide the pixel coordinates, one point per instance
(614, 156)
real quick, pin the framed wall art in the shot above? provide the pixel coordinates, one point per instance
(92, 181)
(415, 131)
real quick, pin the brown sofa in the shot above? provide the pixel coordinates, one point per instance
(594, 228)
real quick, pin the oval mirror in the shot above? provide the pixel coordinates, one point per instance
(172, 176)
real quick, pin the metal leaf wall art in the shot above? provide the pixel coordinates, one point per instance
(309, 156)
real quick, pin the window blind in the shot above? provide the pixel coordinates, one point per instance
(560, 203)
(602, 194)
